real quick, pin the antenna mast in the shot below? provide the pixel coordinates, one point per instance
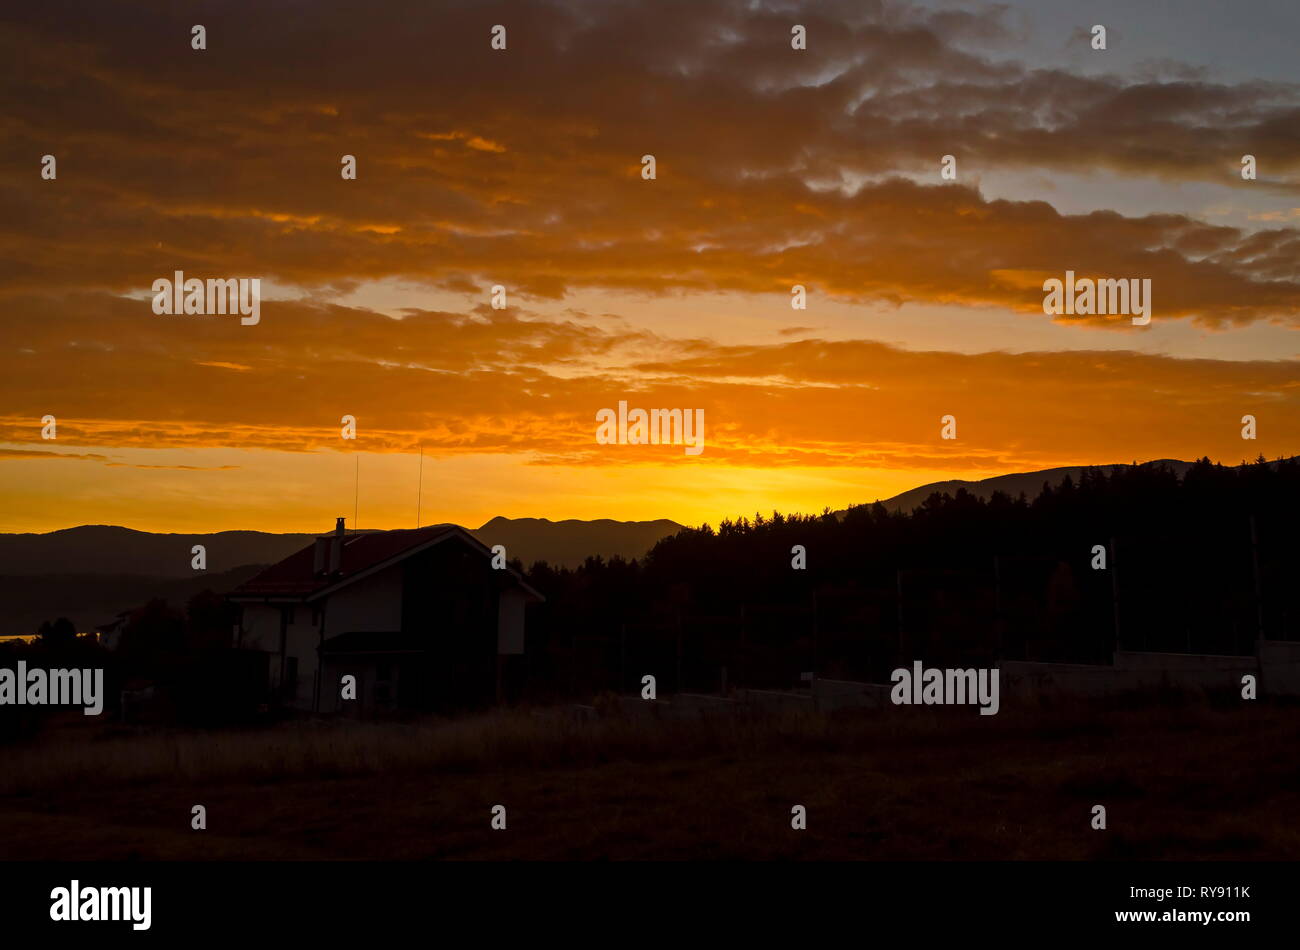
(419, 493)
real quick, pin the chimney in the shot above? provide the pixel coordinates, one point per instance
(318, 556)
(336, 547)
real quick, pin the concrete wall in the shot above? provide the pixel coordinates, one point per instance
(1029, 680)
(829, 695)
(1132, 671)
(1190, 671)
(1279, 666)
(702, 704)
(774, 700)
(825, 696)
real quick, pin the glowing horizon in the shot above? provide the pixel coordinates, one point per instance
(774, 168)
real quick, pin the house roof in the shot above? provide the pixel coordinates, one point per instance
(363, 554)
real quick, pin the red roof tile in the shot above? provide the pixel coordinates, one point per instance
(294, 577)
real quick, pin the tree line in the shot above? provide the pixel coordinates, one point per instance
(1128, 557)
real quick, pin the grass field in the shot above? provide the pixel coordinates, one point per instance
(1179, 781)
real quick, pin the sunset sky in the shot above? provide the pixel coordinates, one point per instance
(522, 167)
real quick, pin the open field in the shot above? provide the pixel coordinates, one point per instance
(1179, 781)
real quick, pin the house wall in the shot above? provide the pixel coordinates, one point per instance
(301, 639)
(261, 627)
(451, 603)
(374, 693)
(510, 621)
(260, 630)
(447, 594)
(372, 604)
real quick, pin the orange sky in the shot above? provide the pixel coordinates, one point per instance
(522, 168)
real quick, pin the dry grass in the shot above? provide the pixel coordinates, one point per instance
(336, 749)
(1185, 781)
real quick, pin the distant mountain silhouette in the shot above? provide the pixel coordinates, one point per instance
(106, 549)
(89, 600)
(1031, 483)
(88, 574)
(569, 543)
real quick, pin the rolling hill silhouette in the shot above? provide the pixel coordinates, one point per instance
(1031, 483)
(106, 549)
(570, 542)
(89, 600)
(89, 573)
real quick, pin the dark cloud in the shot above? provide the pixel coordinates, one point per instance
(523, 167)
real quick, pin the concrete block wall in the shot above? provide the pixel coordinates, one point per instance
(1186, 670)
(1279, 667)
(1028, 679)
(829, 695)
(774, 700)
(1276, 664)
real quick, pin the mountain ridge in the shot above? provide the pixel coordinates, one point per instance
(112, 549)
(1013, 483)
(90, 572)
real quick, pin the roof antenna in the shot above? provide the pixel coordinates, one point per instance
(419, 492)
(356, 496)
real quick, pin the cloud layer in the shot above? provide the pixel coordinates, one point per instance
(477, 167)
(774, 166)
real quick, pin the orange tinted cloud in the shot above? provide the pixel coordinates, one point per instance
(773, 168)
(477, 168)
(497, 381)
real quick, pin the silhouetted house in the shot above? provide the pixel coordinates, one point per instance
(419, 617)
(109, 635)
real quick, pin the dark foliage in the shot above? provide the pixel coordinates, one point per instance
(959, 580)
(174, 665)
